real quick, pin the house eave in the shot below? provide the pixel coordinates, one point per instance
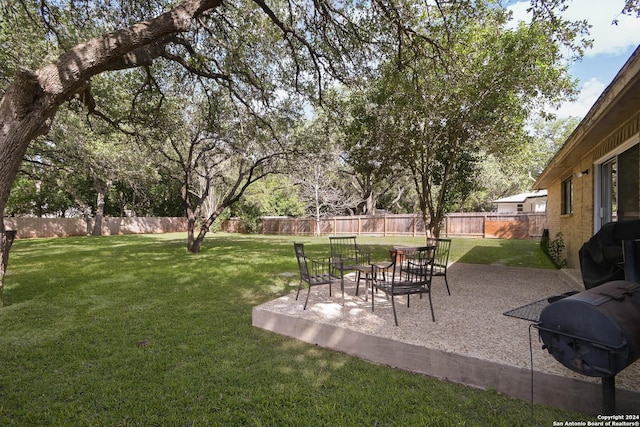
(615, 106)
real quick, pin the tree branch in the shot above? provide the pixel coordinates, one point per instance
(117, 50)
(287, 33)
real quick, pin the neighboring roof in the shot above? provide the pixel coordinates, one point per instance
(522, 197)
(611, 110)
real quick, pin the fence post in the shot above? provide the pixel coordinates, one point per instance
(484, 226)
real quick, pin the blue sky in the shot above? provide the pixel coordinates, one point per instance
(612, 46)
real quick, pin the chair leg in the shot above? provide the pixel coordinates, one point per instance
(307, 300)
(431, 306)
(366, 285)
(372, 297)
(446, 282)
(393, 305)
(299, 287)
(357, 282)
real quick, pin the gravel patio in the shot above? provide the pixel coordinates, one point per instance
(471, 342)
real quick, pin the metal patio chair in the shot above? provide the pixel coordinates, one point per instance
(441, 259)
(346, 250)
(316, 272)
(407, 275)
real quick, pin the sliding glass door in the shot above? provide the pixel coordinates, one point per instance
(618, 186)
(608, 191)
(628, 190)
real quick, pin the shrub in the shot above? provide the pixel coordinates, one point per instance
(555, 250)
(544, 241)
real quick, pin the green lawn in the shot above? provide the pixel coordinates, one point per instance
(132, 330)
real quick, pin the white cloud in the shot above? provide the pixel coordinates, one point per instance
(589, 94)
(609, 41)
(608, 38)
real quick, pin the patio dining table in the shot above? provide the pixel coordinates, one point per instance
(367, 268)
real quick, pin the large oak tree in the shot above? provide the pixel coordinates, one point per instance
(30, 103)
(31, 100)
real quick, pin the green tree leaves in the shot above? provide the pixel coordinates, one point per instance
(436, 116)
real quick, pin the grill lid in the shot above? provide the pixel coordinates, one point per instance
(595, 332)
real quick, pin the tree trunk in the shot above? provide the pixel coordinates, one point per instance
(97, 220)
(371, 204)
(196, 243)
(191, 225)
(100, 200)
(86, 214)
(97, 223)
(6, 240)
(317, 200)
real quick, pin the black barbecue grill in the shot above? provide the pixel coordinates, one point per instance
(596, 332)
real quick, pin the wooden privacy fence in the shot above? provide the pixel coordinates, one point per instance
(496, 225)
(388, 225)
(63, 227)
(476, 224)
(489, 225)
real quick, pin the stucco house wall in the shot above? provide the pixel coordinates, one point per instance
(611, 127)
